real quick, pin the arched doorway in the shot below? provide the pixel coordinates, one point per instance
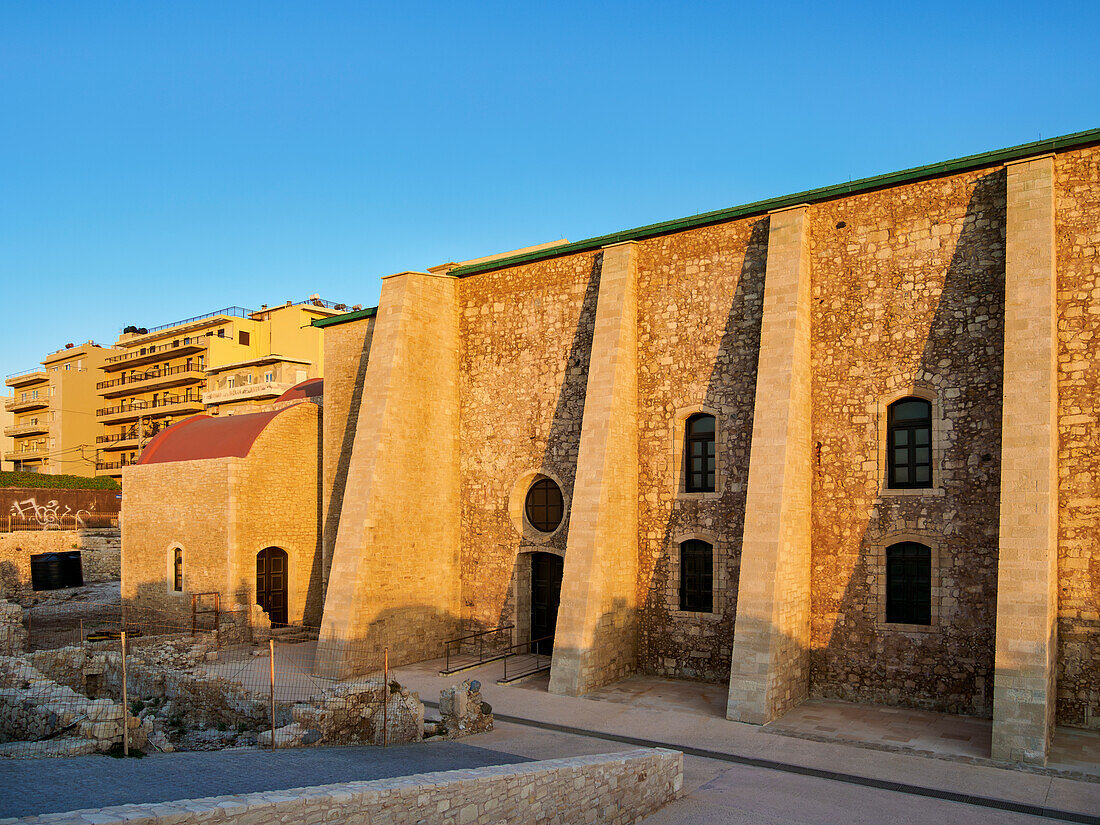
(546, 569)
(271, 583)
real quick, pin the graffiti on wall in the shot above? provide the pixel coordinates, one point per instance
(49, 514)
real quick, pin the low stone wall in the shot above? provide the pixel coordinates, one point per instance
(100, 555)
(613, 789)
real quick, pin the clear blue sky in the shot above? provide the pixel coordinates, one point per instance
(160, 160)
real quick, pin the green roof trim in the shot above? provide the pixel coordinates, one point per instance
(333, 320)
(999, 156)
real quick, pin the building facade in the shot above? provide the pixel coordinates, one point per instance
(54, 428)
(842, 443)
(223, 361)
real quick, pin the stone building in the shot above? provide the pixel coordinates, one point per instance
(840, 443)
(227, 505)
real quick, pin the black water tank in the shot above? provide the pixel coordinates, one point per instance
(53, 571)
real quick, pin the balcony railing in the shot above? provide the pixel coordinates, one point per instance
(18, 379)
(232, 312)
(150, 407)
(16, 404)
(27, 455)
(195, 342)
(151, 378)
(17, 430)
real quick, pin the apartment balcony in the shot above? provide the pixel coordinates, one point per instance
(27, 377)
(132, 411)
(27, 404)
(151, 379)
(110, 468)
(188, 345)
(18, 456)
(17, 430)
(119, 441)
(245, 392)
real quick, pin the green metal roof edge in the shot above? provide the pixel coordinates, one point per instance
(333, 320)
(963, 164)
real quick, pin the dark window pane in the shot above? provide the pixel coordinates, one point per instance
(922, 436)
(701, 425)
(909, 583)
(545, 507)
(901, 438)
(921, 455)
(901, 474)
(700, 452)
(911, 410)
(922, 474)
(696, 576)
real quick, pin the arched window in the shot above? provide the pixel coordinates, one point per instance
(545, 507)
(177, 570)
(696, 576)
(699, 454)
(909, 444)
(909, 583)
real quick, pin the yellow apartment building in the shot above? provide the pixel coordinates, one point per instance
(287, 351)
(54, 425)
(7, 443)
(226, 360)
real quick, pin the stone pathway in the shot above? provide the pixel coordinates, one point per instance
(37, 786)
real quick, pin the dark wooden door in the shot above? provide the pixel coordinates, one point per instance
(271, 586)
(545, 595)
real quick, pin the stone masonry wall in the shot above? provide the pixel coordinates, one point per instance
(526, 338)
(908, 291)
(1077, 244)
(618, 789)
(100, 554)
(347, 349)
(699, 306)
(185, 504)
(279, 505)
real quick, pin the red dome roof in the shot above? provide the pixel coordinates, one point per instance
(202, 436)
(310, 388)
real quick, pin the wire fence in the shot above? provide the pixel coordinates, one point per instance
(87, 521)
(82, 677)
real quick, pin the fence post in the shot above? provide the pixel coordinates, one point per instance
(82, 632)
(385, 694)
(271, 647)
(125, 703)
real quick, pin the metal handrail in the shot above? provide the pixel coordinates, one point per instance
(166, 401)
(531, 642)
(233, 312)
(25, 372)
(149, 374)
(480, 636)
(188, 341)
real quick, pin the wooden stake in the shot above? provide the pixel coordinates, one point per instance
(125, 703)
(271, 644)
(385, 694)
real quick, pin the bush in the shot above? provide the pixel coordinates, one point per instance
(44, 480)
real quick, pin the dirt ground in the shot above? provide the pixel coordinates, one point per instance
(57, 618)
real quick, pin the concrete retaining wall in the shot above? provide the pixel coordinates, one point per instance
(613, 789)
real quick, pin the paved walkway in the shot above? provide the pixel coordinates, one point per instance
(38, 786)
(691, 730)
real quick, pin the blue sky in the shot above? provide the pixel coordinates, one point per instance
(162, 160)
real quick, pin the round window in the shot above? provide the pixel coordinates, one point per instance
(544, 506)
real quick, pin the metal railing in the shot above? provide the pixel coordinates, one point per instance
(150, 374)
(481, 659)
(535, 655)
(166, 401)
(15, 524)
(232, 312)
(186, 341)
(31, 371)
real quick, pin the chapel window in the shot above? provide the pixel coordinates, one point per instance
(177, 570)
(696, 576)
(909, 443)
(909, 583)
(544, 505)
(699, 453)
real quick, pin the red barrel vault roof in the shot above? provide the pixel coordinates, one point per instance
(310, 388)
(204, 436)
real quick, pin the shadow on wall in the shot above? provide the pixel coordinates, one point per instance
(559, 458)
(731, 392)
(331, 517)
(854, 655)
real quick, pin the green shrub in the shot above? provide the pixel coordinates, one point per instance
(43, 480)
